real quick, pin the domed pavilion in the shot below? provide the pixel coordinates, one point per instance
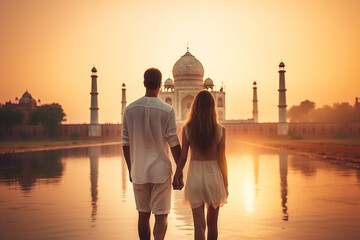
(188, 73)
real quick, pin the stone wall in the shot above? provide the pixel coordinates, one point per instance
(67, 131)
(240, 130)
(296, 130)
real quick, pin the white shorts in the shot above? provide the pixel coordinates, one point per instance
(153, 197)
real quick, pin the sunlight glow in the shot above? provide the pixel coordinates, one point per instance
(49, 48)
(249, 195)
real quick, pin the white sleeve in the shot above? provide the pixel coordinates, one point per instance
(125, 133)
(170, 130)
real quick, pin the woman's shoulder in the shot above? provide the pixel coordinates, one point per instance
(220, 131)
(185, 129)
(220, 127)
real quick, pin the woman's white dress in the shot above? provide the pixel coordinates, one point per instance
(205, 182)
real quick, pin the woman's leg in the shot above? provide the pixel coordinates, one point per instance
(199, 222)
(212, 220)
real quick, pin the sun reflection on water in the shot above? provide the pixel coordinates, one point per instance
(248, 194)
(265, 189)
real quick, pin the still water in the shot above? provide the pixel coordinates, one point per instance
(84, 193)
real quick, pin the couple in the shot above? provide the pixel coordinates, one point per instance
(148, 127)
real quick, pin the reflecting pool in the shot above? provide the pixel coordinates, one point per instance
(84, 193)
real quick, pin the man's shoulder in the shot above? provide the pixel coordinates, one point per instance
(161, 104)
(135, 103)
(152, 102)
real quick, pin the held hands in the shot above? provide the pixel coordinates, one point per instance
(178, 182)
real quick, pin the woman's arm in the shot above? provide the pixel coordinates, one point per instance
(182, 160)
(222, 160)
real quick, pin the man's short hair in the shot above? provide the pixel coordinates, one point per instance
(152, 78)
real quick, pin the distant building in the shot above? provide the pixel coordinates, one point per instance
(26, 104)
(94, 127)
(283, 125)
(123, 100)
(188, 73)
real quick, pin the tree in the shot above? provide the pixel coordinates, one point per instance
(10, 117)
(323, 114)
(301, 113)
(338, 113)
(50, 115)
(344, 113)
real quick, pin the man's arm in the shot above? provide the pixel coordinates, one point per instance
(125, 143)
(126, 150)
(173, 141)
(176, 150)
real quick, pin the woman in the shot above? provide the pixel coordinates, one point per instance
(207, 175)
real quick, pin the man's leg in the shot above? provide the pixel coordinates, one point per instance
(212, 220)
(160, 207)
(144, 225)
(199, 222)
(142, 200)
(160, 226)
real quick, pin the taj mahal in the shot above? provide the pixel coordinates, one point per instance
(188, 75)
(179, 92)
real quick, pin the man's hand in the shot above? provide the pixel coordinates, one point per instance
(178, 182)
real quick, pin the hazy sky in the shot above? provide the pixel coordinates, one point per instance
(50, 46)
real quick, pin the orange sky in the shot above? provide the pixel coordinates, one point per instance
(49, 48)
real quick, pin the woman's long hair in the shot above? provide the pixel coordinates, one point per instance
(202, 121)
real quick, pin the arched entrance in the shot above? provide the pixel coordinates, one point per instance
(168, 101)
(185, 106)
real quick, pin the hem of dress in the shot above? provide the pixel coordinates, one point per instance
(207, 204)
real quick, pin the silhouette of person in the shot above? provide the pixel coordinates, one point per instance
(149, 127)
(207, 181)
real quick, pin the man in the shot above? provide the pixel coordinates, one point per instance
(148, 128)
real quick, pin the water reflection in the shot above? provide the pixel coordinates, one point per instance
(124, 177)
(94, 153)
(324, 199)
(40, 167)
(256, 172)
(283, 160)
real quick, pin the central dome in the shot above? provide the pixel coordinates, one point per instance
(26, 99)
(188, 66)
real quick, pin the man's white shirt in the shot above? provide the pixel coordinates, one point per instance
(149, 127)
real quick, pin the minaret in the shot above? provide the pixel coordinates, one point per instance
(123, 101)
(94, 127)
(283, 126)
(255, 103)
